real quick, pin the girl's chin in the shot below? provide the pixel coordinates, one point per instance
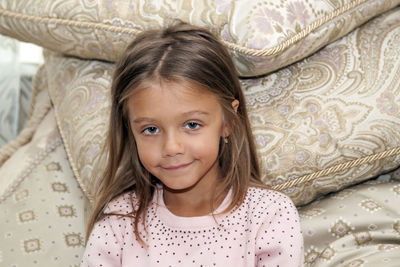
(178, 188)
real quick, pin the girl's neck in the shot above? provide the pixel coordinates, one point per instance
(191, 203)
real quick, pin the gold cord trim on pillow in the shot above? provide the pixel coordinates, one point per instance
(338, 168)
(251, 52)
(27, 171)
(71, 160)
(69, 22)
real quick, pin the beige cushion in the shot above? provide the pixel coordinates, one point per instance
(358, 226)
(80, 91)
(263, 35)
(42, 211)
(320, 125)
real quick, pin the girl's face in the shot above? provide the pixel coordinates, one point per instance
(177, 129)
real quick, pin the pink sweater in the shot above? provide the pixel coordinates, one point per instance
(263, 231)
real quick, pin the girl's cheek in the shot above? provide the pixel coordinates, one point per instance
(148, 152)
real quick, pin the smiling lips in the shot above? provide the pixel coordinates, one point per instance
(177, 167)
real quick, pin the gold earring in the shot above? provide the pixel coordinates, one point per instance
(225, 140)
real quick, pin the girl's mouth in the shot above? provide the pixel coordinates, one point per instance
(177, 167)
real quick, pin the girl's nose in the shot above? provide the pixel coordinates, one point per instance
(173, 145)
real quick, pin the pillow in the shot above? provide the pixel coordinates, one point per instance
(42, 211)
(358, 226)
(80, 92)
(262, 35)
(322, 124)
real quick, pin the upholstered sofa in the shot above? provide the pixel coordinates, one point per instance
(322, 83)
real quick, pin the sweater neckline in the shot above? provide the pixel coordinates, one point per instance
(189, 223)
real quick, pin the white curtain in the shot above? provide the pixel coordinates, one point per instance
(16, 75)
(9, 89)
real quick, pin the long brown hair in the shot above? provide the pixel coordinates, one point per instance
(178, 53)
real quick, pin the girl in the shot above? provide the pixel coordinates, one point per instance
(182, 185)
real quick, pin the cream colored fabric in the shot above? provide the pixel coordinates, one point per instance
(359, 226)
(263, 35)
(42, 211)
(337, 106)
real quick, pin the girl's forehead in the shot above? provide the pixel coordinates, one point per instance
(172, 102)
(184, 90)
(172, 96)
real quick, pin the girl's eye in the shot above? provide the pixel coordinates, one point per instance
(150, 130)
(192, 125)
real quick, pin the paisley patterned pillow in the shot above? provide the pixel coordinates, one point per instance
(263, 35)
(322, 124)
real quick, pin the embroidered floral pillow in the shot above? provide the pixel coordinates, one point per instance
(320, 125)
(262, 35)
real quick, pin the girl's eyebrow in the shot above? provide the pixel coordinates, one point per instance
(185, 114)
(142, 119)
(195, 112)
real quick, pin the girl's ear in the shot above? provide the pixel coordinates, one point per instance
(235, 105)
(226, 131)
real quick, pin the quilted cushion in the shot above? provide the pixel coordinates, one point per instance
(263, 35)
(42, 211)
(358, 226)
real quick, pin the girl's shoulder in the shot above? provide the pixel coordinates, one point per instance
(122, 204)
(266, 197)
(265, 192)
